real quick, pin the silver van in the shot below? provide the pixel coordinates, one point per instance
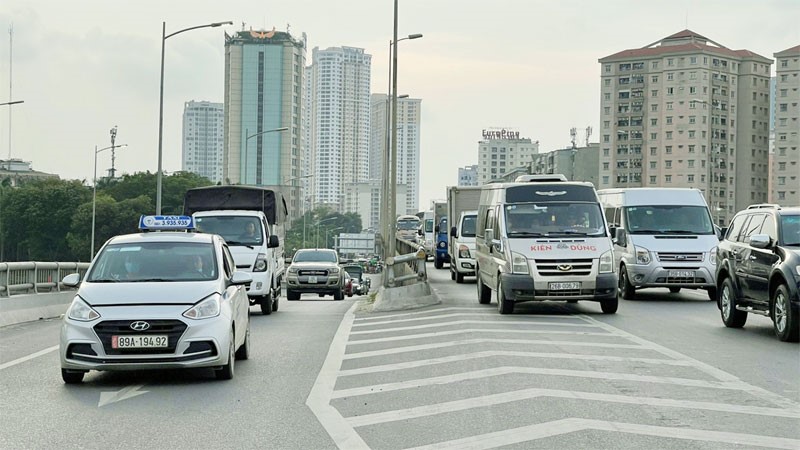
(543, 239)
(663, 237)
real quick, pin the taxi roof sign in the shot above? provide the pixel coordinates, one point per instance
(166, 223)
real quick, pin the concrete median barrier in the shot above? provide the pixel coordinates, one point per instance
(29, 307)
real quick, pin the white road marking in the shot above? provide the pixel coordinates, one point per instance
(28, 358)
(564, 426)
(473, 322)
(428, 311)
(406, 337)
(445, 316)
(416, 348)
(106, 398)
(489, 354)
(527, 394)
(319, 399)
(499, 371)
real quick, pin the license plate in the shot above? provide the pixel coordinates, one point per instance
(312, 280)
(139, 341)
(681, 273)
(573, 285)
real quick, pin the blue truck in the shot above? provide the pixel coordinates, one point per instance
(440, 219)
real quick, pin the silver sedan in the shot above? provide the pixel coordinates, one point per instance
(155, 301)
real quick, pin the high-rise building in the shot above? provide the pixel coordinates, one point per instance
(264, 79)
(202, 139)
(468, 176)
(786, 159)
(686, 111)
(576, 164)
(502, 150)
(340, 123)
(409, 116)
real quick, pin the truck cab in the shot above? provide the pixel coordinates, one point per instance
(462, 246)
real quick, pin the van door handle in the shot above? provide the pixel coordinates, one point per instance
(753, 257)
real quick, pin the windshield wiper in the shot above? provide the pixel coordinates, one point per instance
(104, 280)
(680, 232)
(149, 280)
(240, 244)
(525, 233)
(573, 232)
(646, 231)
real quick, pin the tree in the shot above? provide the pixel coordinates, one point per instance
(328, 219)
(112, 218)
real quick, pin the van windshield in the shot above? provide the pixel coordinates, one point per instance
(668, 219)
(429, 225)
(236, 230)
(552, 219)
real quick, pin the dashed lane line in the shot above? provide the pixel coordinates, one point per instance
(528, 394)
(507, 370)
(508, 353)
(571, 425)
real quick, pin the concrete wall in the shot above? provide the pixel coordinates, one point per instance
(30, 307)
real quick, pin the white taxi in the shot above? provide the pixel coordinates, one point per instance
(163, 298)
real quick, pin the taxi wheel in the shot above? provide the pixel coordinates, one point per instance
(71, 377)
(244, 351)
(226, 372)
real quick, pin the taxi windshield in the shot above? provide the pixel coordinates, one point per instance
(236, 230)
(154, 262)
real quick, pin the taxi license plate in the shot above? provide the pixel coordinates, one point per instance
(312, 280)
(565, 286)
(139, 341)
(681, 273)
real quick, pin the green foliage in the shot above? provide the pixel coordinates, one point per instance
(329, 221)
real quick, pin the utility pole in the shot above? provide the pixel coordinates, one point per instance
(112, 172)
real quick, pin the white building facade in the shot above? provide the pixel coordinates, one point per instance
(502, 150)
(468, 176)
(203, 139)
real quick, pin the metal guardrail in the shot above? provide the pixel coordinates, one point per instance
(407, 266)
(36, 277)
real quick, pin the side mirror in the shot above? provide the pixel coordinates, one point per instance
(453, 232)
(620, 237)
(273, 241)
(241, 278)
(613, 230)
(488, 236)
(722, 232)
(436, 228)
(760, 240)
(71, 280)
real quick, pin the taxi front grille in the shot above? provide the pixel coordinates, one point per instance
(563, 267)
(173, 329)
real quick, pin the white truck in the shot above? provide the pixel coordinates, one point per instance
(252, 221)
(462, 209)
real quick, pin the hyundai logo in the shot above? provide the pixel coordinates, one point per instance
(561, 267)
(140, 325)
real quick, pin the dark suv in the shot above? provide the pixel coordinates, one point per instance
(758, 269)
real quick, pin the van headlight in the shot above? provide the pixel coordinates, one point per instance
(80, 310)
(606, 262)
(207, 308)
(712, 256)
(642, 255)
(261, 263)
(519, 263)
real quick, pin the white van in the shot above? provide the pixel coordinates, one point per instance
(663, 237)
(543, 239)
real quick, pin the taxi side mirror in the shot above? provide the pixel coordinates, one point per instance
(71, 280)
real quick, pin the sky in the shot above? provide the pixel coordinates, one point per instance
(85, 66)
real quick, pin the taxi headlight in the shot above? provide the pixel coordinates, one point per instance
(463, 251)
(712, 256)
(261, 263)
(606, 262)
(80, 310)
(642, 255)
(209, 307)
(519, 263)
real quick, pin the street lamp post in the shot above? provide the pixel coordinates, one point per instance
(247, 137)
(316, 238)
(392, 167)
(328, 231)
(302, 199)
(94, 190)
(164, 37)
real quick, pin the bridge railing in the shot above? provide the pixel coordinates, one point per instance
(36, 277)
(408, 266)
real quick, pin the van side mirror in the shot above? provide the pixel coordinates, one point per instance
(613, 230)
(721, 232)
(620, 237)
(273, 241)
(454, 232)
(488, 236)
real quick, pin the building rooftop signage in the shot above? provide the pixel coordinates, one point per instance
(500, 134)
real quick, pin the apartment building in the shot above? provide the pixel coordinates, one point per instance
(202, 148)
(502, 150)
(785, 167)
(468, 176)
(264, 79)
(686, 111)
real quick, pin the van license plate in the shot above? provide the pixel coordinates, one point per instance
(565, 286)
(139, 341)
(681, 273)
(312, 280)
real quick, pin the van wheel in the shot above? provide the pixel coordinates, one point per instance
(609, 306)
(674, 290)
(731, 317)
(452, 274)
(626, 289)
(504, 305)
(266, 304)
(459, 277)
(712, 294)
(438, 263)
(784, 319)
(484, 293)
